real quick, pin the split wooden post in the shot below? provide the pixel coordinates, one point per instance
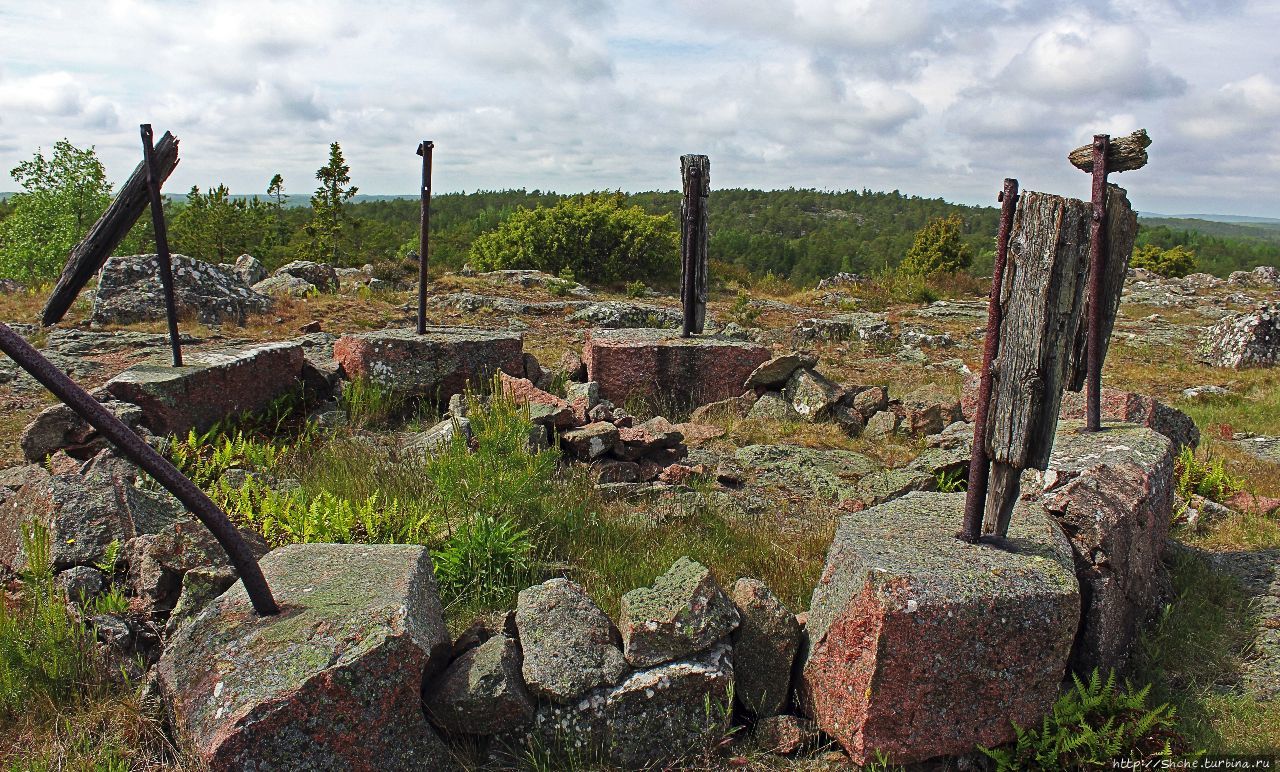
(87, 257)
(695, 172)
(163, 258)
(424, 232)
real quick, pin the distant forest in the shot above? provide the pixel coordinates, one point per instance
(799, 235)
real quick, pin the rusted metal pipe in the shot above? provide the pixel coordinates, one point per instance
(162, 242)
(424, 234)
(1097, 265)
(979, 464)
(142, 454)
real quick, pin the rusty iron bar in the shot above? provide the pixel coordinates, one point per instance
(1097, 265)
(979, 464)
(139, 452)
(162, 241)
(424, 234)
(689, 246)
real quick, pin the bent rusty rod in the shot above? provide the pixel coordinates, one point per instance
(162, 242)
(424, 232)
(1097, 265)
(142, 454)
(979, 464)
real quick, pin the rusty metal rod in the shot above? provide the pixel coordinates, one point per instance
(689, 248)
(424, 232)
(162, 241)
(979, 464)
(142, 454)
(1097, 265)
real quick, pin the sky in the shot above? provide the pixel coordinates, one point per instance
(930, 97)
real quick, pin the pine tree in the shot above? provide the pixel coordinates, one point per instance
(325, 229)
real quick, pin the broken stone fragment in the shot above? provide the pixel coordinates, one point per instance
(481, 692)
(774, 374)
(570, 646)
(591, 441)
(811, 394)
(764, 649)
(684, 612)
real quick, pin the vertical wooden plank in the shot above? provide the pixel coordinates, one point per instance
(695, 172)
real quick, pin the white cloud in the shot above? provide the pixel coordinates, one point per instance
(1079, 59)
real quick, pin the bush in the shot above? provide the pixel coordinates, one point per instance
(1092, 725)
(594, 236)
(938, 248)
(1170, 263)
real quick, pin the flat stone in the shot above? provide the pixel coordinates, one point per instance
(211, 386)
(922, 645)
(591, 441)
(684, 612)
(1112, 492)
(653, 363)
(764, 649)
(481, 692)
(544, 408)
(616, 314)
(879, 487)
(437, 364)
(333, 682)
(439, 437)
(811, 394)
(775, 373)
(827, 474)
(865, 326)
(570, 646)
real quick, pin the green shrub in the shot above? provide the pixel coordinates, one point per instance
(1092, 725)
(597, 237)
(939, 247)
(742, 311)
(636, 289)
(1170, 263)
(1208, 477)
(487, 559)
(369, 404)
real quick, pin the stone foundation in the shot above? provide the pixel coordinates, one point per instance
(437, 364)
(651, 363)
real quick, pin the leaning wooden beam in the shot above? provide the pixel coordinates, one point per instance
(1042, 297)
(1121, 230)
(87, 257)
(1123, 155)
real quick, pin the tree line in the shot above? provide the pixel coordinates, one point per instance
(801, 235)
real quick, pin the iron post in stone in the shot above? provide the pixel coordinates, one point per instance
(1099, 159)
(424, 232)
(979, 464)
(162, 242)
(139, 452)
(695, 172)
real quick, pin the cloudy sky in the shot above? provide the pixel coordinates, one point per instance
(931, 97)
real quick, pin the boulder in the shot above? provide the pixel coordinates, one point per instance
(831, 475)
(199, 587)
(129, 291)
(1112, 493)
(922, 645)
(83, 514)
(773, 406)
(286, 284)
(882, 425)
(591, 441)
(868, 401)
(811, 394)
(653, 363)
(437, 364)
(614, 314)
(322, 276)
(570, 646)
(764, 649)
(1244, 340)
(652, 719)
(867, 326)
(81, 584)
(775, 373)
(481, 692)
(332, 682)
(249, 270)
(212, 385)
(158, 560)
(58, 427)
(683, 613)
(928, 410)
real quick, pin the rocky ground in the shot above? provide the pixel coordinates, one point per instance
(868, 410)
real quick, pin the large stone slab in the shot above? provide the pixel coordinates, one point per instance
(333, 682)
(437, 364)
(210, 386)
(652, 363)
(1112, 493)
(922, 645)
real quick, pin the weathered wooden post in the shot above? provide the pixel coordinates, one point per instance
(695, 172)
(979, 464)
(163, 258)
(424, 232)
(1103, 157)
(110, 229)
